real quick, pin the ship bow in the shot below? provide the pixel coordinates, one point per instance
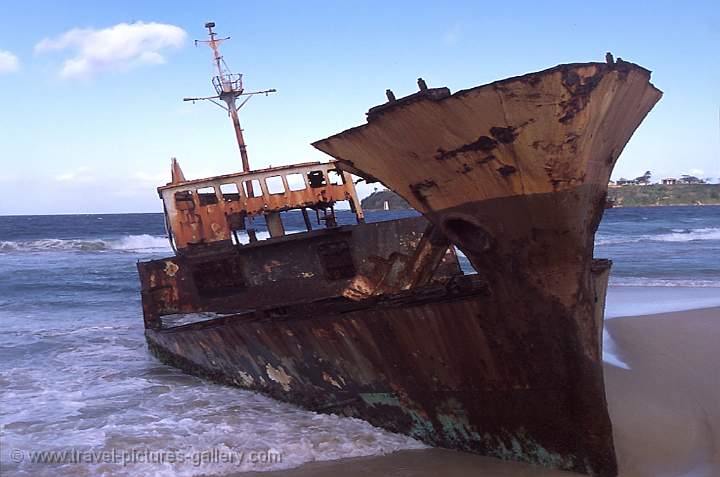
(515, 174)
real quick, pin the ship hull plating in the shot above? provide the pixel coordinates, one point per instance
(455, 366)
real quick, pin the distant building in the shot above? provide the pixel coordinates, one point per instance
(623, 182)
(669, 181)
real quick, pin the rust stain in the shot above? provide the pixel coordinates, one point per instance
(171, 269)
(279, 376)
(330, 380)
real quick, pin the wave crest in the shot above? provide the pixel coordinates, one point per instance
(129, 243)
(676, 235)
(687, 235)
(663, 282)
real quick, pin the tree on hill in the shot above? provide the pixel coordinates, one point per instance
(644, 179)
(686, 179)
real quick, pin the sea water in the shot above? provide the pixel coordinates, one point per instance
(78, 385)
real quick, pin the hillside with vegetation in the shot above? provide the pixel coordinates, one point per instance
(376, 201)
(659, 195)
(650, 195)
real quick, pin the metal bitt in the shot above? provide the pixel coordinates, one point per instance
(228, 87)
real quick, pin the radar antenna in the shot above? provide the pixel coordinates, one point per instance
(228, 88)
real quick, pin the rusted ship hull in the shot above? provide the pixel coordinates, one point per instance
(515, 174)
(506, 363)
(446, 364)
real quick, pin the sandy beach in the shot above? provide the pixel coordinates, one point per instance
(665, 409)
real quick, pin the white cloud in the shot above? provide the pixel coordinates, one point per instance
(158, 178)
(697, 172)
(77, 175)
(9, 63)
(451, 37)
(117, 48)
(141, 184)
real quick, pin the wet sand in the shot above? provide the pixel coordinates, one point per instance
(665, 409)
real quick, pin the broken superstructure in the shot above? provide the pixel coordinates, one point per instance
(376, 320)
(211, 212)
(221, 266)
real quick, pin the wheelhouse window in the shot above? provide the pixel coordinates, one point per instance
(207, 196)
(296, 182)
(335, 177)
(252, 188)
(183, 197)
(230, 192)
(275, 185)
(316, 179)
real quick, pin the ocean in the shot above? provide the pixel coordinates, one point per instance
(76, 376)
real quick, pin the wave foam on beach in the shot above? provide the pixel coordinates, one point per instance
(610, 352)
(127, 401)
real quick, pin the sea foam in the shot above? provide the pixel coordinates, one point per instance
(675, 235)
(688, 235)
(663, 282)
(133, 243)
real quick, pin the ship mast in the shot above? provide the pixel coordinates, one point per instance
(228, 87)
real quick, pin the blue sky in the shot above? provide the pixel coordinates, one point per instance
(90, 118)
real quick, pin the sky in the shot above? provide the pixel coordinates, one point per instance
(91, 107)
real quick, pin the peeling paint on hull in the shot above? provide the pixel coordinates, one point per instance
(434, 364)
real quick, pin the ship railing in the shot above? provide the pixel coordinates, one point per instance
(228, 83)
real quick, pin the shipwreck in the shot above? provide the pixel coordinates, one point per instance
(377, 320)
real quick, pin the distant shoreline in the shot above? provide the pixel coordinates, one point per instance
(653, 195)
(663, 195)
(620, 206)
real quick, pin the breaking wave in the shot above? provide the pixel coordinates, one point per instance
(659, 282)
(147, 242)
(616, 240)
(676, 235)
(129, 243)
(688, 235)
